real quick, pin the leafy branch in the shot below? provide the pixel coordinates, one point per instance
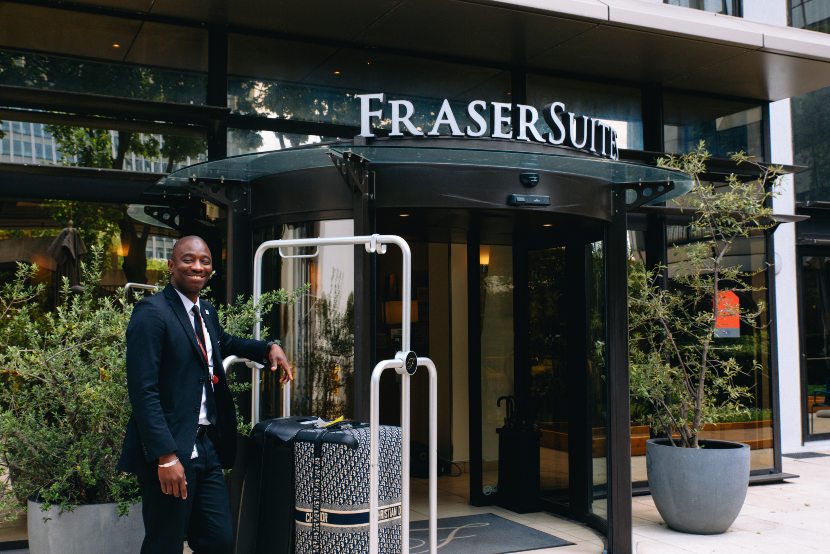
(679, 366)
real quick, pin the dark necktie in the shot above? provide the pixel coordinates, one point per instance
(200, 338)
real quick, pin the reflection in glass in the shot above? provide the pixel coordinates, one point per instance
(815, 283)
(620, 107)
(726, 7)
(727, 126)
(548, 367)
(28, 142)
(246, 141)
(811, 145)
(810, 14)
(597, 378)
(752, 426)
(41, 71)
(281, 86)
(318, 330)
(496, 299)
(135, 249)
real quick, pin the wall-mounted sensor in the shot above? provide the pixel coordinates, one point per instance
(529, 179)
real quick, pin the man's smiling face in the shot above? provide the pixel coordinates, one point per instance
(190, 266)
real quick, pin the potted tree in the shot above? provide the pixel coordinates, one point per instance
(682, 366)
(63, 410)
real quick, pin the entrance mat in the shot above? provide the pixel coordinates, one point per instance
(480, 534)
(803, 455)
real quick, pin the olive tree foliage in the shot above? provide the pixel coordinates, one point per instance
(63, 395)
(679, 367)
(97, 147)
(238, 318)
(64, 404)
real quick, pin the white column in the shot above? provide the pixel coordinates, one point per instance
(786, 285)
(774, 12)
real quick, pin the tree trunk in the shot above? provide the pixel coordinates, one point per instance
(124, 138)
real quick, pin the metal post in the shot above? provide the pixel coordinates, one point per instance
(374, 456)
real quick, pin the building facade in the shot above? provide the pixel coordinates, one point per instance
(520, 304)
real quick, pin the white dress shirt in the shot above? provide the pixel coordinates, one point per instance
(188, 307)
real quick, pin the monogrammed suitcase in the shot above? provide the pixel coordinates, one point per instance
(331, 469)
(265, 522)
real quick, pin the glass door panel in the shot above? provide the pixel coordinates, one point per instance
(597, 379)
(496, 308)
(548, 367)
(815, 283)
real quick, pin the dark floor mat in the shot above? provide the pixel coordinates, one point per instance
(480, 534)
(803, 455)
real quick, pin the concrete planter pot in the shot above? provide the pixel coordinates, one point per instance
(88, 529)
(698, 490)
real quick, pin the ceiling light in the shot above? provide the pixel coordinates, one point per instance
(404, 215)
(547, 224)
(116, 45)
(337, 72)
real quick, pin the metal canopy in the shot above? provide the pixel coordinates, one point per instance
(630, 40)
(507, 155)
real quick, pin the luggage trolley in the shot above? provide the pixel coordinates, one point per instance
(405, 363)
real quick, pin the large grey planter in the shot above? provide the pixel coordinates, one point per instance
(88, 529)
(698, 490)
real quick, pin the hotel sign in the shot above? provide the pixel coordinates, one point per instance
(493, 119)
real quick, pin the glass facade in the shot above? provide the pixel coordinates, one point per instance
(26, 142)
(60, 73)
(810, 14)
(815, 302)
(315, 83)
(620, 107)
(754, 425)
(725, 7)
(317, 331)
(727, 126)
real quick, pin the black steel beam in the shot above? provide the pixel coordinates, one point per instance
(127, 109)
(619, 410)
(74, 183)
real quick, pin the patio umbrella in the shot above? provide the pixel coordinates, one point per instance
(67, 250)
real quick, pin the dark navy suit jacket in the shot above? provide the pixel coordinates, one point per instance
(166, 371)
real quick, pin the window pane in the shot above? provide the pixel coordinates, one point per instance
(815, 282)
(86, 147)
(244, 141)
(317, 330)
(28, 228)
(271, 78)
(725, 7)
(618, 106)
(810, 14)
(754, 427)
(811, 145)
(726, 126)
(41, 71)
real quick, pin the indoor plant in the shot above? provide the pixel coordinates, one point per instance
(680, 367)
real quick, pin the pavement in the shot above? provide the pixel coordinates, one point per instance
(792, 517)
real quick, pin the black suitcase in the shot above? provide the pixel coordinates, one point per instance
(331, 469)
(265, 522)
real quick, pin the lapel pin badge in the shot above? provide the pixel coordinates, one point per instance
(215, 379)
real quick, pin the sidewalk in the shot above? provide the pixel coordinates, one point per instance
(790, 517)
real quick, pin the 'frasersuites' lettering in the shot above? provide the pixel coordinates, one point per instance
(494, 119)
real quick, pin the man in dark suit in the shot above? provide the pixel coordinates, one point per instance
(183, 426)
